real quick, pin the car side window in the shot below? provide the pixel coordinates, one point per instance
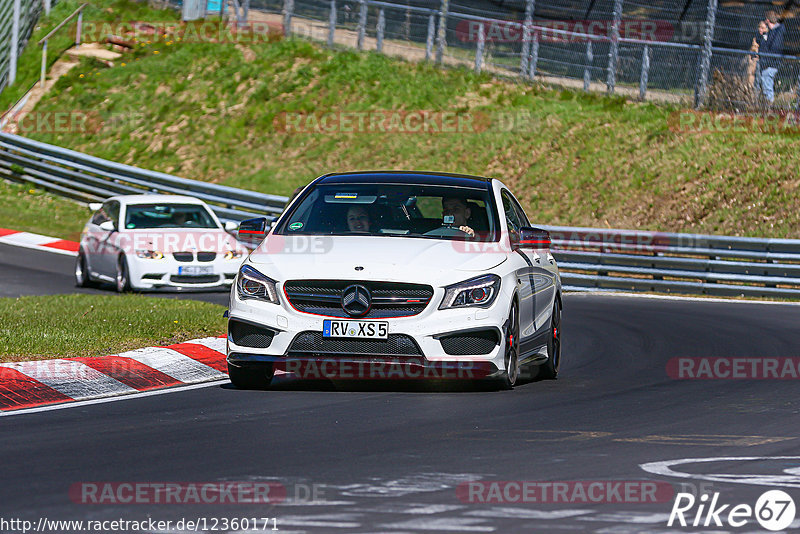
(512, 217)
(113, 212)
(100, 216)
(523, 219)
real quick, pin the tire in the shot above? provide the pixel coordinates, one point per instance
(549, 369)
(511, 339)
(81, 273)
(253, 377)
(123, 280)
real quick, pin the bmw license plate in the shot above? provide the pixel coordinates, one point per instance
(195, 270)
(362, 329)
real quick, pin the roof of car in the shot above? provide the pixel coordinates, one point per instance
(157, 199)
(406, 177)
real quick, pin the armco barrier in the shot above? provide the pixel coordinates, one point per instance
(88, 179)
(590, 258)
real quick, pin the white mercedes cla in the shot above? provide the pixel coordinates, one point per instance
(396, 275)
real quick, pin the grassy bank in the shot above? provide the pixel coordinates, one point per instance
(32, 210)
(97, 325)
(213, 112)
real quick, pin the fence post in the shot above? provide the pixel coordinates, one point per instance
(332, 24)
(362, 23)
(705, 64)
(431, 32)
(380, 29)
(44, 64)
(288, 8)
(479, 49)
(46, 7)
(79, 29)
(530, 5)
(645, 72)
(613, 53)
(246, 10)
(587, 71)
(12, 63)
(441, 38)
(534, 57)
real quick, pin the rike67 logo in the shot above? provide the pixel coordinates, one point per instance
(774, 510)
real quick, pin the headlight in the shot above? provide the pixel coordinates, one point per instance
(251, 284)
(478, 292)
(149, 254)
(233, 254)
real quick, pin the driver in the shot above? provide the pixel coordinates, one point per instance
(358, 219)
(457, 207)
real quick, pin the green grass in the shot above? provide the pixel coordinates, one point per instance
(30, 61)
(23, 207)
(209, 111)
(98, 325)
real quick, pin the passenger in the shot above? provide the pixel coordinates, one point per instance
(358, 219)
(457, 208)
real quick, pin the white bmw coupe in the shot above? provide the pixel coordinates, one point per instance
(396, 275)
(146, 242)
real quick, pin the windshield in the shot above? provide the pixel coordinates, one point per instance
(438, 212)
(140, 216)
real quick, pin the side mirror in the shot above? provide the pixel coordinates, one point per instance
(107, 226)
(534, 238)
(231, 226)
(253, 231)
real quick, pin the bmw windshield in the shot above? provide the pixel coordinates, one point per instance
(400, 210)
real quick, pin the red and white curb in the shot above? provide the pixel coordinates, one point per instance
(40, 242)
(45, 382)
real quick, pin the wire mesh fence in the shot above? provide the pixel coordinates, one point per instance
(29, 11)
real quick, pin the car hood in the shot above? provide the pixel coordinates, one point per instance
(384, 258)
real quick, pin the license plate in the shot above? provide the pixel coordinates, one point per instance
(195, 270)
(362, 329)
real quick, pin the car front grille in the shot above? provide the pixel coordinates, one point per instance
(183, 256)
(389, 299)
(310, 342)
(191, 279)
(206, 256)
(477, 342)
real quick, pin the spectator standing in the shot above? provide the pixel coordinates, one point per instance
(773, 45)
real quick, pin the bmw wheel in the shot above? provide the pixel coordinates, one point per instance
(549, 369)
(252, 377)
(81, 273)
(122, 279)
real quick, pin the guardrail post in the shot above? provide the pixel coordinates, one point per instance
(613, 53)
(534, 61)
(587, 72)
(362, 23)
(332, 24)
(12, 63)
(479, 49)
(530, 6)
(645, 73)
(705, 62)
(379, 30)
(441, 38)
(288, 9)
(46, 7)
(429, 40)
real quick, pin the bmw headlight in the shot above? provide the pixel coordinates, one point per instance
(149, 254)
(477, 292)
(251, 284)
(233, 254)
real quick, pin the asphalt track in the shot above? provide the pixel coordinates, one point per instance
(388, 457)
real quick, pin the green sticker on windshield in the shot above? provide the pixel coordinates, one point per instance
(295, 226)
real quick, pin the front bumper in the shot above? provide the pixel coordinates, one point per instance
(168, 273)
